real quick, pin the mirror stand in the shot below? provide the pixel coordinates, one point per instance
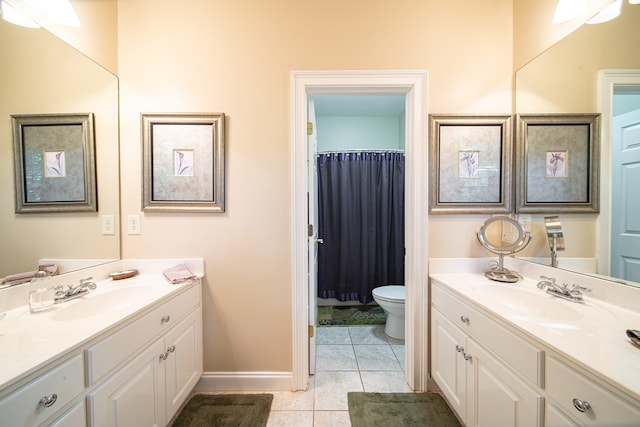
(519, 237)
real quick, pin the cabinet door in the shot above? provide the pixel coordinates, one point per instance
(74, 417)
(183, 363)
(447, 362)
(497, 397)
(553, 417)
(134, 395)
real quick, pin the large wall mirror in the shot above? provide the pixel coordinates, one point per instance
(565, 79)
(41, 74)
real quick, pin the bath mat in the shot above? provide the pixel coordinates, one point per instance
(225, 410)
(400, 409)
(351, 315)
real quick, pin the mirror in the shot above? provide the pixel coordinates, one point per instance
(502, 235)
(41, 74)
(564, 79)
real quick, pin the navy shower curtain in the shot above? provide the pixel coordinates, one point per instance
(361, 222)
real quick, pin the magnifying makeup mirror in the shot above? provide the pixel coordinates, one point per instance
(502, 236)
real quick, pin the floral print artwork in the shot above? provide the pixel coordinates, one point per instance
(54, 164)
(556, 164)
(468, 166)
(183, 162)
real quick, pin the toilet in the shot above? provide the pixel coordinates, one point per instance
(391, 299)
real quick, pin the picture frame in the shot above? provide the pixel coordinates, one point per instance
(557, 163)
(54, 162)
(470, 164)
(183, 162)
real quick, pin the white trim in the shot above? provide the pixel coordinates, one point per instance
(244, 381)
(413, 84)
(607, 81)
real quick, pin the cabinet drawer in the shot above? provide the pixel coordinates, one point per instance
(60, 385)
(522, 356)
(113, 350)
(607, 409)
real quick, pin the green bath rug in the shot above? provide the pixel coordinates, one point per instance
(225, 410)
(399, 409)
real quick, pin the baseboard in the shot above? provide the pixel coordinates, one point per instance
(245, 381)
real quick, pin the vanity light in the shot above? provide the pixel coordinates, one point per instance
(14, 16)
(566, 10)
(608, 13)
(60, 12)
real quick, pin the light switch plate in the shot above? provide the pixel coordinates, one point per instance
(108, 225)
(133, 224)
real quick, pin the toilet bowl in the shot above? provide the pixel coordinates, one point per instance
(391, 299)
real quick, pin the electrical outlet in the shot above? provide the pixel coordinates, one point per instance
(525, 220)
(133, 224)
(108, 225)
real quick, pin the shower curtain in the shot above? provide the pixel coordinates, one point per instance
(361, 222)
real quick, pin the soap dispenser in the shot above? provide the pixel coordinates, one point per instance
(41, 292)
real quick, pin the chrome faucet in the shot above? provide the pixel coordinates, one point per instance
(573, 294)
(73, 292)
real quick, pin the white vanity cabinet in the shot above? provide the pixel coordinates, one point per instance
(481, 382)
(497, 372)
(585, 400)
(137, 371)
(45, 396)
(149, 389)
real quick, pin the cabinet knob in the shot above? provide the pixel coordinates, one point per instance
(466, 356)
(464, 319)
(164, 356)
(165, 318)
(171, 349)
(49, 400)
(581, 405)
(459, 348)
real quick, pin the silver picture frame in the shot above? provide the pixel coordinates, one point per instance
(557, 163)
(183, 162)
(470, 164)
(54, 163)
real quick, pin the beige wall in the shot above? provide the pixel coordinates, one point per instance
(236, 58)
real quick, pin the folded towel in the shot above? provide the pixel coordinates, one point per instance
(178, 274)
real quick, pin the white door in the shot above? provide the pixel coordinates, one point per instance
(313, 240)
(625, 196)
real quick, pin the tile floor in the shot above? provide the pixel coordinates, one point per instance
(348, 358)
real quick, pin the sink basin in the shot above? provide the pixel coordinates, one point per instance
(96, 304)
(540, 307)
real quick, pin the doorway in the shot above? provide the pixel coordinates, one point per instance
(412, 85)
(613, 230)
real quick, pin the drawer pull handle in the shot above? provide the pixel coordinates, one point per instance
(48, 401)
(581, 405)
(171, 349)
(165, 319)
(164, 356)
(464, 319)
(466, 356)
(459, 348)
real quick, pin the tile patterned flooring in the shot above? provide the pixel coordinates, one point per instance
(348, 358)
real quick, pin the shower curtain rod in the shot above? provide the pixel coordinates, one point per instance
(361, 151)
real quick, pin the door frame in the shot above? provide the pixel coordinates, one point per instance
(607, 81)
(413, 84)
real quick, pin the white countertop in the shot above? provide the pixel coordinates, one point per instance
(591, 334)
(29, 341)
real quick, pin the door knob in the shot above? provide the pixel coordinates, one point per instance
(319, 240)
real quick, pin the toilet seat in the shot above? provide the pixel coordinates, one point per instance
(391, 293)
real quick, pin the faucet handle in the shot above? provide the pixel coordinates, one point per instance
(577, 287)
(83, 281)
(550, 279)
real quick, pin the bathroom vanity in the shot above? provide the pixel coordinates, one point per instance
(509, 354)
(128, 353)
